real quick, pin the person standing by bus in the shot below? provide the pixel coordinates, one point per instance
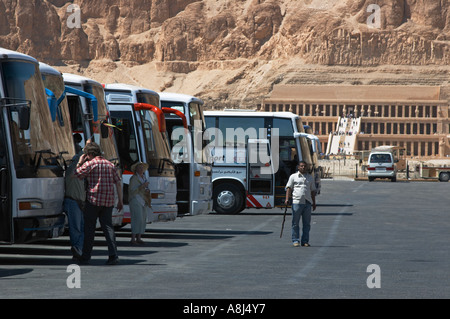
(302, 187)
(101, 178)
(139, 198)
(74, 198)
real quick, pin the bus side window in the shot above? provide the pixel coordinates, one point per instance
(75, 114)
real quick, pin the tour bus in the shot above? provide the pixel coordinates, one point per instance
(31, 175)
(59, 110)
(90, 120)
(194, 184)
(140, 128)
(232, 189)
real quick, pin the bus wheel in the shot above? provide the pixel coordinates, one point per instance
(444, 176)
(227, 199)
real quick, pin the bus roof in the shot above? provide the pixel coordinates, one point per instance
(127, 87)
(8, 54)
(179, 97)
(78, 79)
(47, 69)
(121, 92)
(250, 113)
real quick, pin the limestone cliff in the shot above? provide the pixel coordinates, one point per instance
(231, 52)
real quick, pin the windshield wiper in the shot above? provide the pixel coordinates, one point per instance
(163, 161)
(52, 160)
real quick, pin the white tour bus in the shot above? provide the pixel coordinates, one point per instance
(90, 119)
(141, 136)
(232, 185)
(31, 175)
(194, 184)
(59, 110)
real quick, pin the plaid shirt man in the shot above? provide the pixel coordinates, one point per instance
(102, 177)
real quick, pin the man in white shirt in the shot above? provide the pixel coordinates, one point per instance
(302, 187)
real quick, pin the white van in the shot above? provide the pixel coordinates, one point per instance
(382, 165)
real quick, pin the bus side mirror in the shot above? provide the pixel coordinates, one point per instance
(52, 103)
(24, 117)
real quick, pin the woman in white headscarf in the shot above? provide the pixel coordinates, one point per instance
(139, 199)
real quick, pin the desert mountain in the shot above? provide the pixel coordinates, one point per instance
(232, 52)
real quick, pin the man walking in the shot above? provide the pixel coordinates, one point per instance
(302, 187)
(101, 177)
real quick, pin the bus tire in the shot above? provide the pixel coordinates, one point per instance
(444, 176)
(228, 199)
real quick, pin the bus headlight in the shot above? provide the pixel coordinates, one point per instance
(30, 205)
(158, 195)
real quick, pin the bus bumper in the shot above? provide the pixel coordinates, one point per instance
(158, 213)
(162, 213)
(32, 229)
(201, 207)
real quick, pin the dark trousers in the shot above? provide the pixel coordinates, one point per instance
(104, 214)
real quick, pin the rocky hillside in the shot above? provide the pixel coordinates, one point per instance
(231, 52)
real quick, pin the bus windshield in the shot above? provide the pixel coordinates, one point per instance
(62, 126)
(195, 113)
(179, 106)
(196, 119)
(148, 98)
(156, 146)
(107, 143)
(127, 143)
(33, 147)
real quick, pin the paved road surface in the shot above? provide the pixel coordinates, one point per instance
(401, 229)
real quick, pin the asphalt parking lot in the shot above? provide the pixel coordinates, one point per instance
(369, 240)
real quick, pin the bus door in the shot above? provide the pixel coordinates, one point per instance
(181, 156)
(260, 174)
(6, 221)
(80, 116)
(128, 146)
(15, 114)
(185, 125)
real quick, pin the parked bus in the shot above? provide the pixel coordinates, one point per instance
(231, 193)
(31, 177)
(59, 110)
(90, 119)
(194, 174)
(141, 136)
